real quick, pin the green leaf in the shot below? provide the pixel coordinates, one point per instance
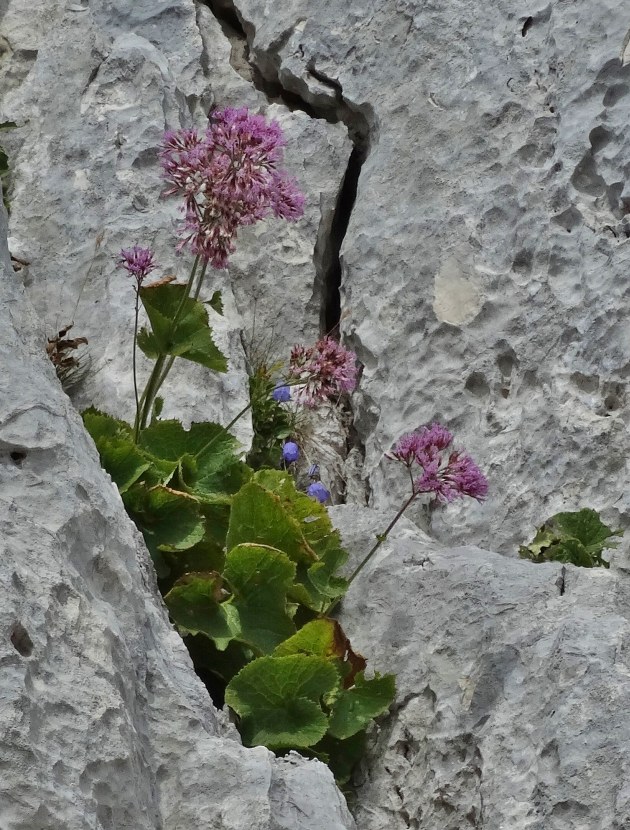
(326, 638)
(101, 425)
(260, 577)
(312, 516)
(169, 520)
(541, 541)
(585, 526)
(190, 338)
(356, 707)
(320, 581)
(216, 468)
(322, 637)
(278, 699)
(570, 550)
(258, 516)
(114, 441)
(216, 302)
(578, 537)
(297, 723)
(194, 603)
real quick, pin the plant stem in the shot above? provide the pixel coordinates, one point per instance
(151, 390)
(380, 538)
(135, 373)
(172, 358)
(158, 376)
(200, 280)
(186, 293)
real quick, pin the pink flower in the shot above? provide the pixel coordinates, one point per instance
(326, 369)
(420, 445)
(448, 477)
(137, 261)
(458, 477)
(229, 177)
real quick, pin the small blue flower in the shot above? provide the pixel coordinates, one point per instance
(317, 491)
(290, 451)
(281, 394)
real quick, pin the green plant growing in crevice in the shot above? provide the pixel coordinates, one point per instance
(579, 538)
(272, 421)
(248, 565)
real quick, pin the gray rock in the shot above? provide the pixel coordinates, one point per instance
(482, 284)
(513, 686)
(484, 265)
(103, 722)
(91, 93)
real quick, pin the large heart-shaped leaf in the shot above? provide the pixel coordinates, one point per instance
(258, 516)
(196, 604)
(260, 577)
(278, 699)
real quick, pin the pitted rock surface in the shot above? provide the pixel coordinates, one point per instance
(91, 89)
(103, 722)
(513, 680)
(484, 269)
(483, 283)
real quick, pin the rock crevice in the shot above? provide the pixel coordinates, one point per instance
(263, 72)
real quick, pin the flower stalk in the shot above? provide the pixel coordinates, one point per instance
(447, 474)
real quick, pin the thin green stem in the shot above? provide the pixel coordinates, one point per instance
(159, 373)
(186, 293)
(151, 390)
(380, 538)
(135, 373)
(200, 280)
(172, 358)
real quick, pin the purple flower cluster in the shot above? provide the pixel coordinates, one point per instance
(448, 475)
(137, 261)
(229, 176)
(326, 369)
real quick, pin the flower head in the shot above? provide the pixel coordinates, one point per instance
(414, 447)
(326, 369)
(137, 261)
(229, 177)
(316, 490)
(281, 394)
(290, 451)
(448, 476)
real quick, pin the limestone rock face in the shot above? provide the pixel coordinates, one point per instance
(481, 276)
(513, 686)
(485, 266)
(103, 722)
(91, 89)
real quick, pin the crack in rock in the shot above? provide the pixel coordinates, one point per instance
(263, 71)
(262, 68)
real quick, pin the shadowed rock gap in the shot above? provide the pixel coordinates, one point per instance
(262, 70)
(265, 76)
